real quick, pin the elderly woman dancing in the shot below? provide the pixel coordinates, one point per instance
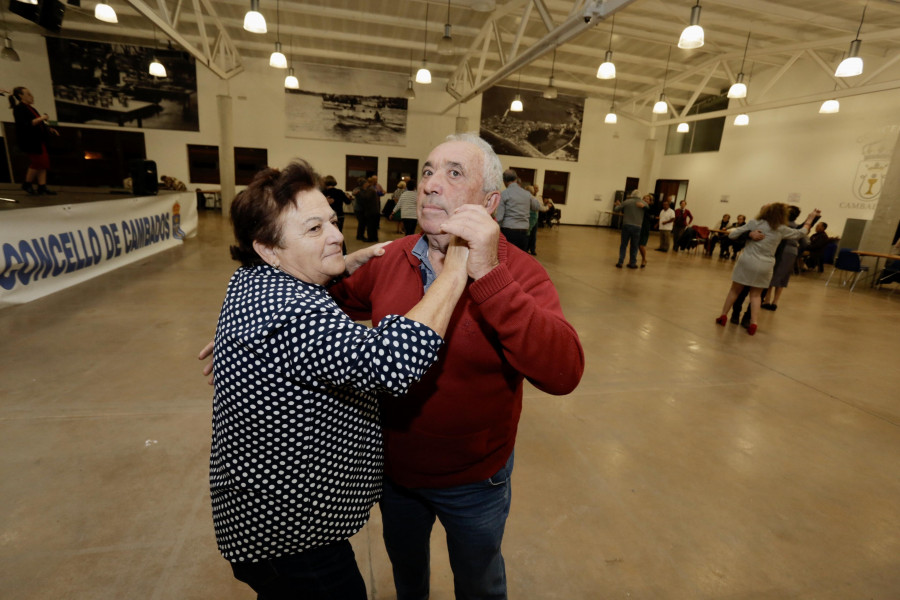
(755, 264)
(296, 458)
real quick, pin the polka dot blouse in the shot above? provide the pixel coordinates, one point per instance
(296, 457)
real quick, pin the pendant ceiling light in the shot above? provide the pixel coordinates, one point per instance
(277, 58)
(410, 92)
(742, 120)
(683, 128)
(104, 12)
(739, 89)
(290, 81)
(424, 75)
(254, 22)
(445, 46)
(662, 106)
(8, 52)
(611, 116)
(156, 68)
(692, 36)
(853, 64)
(517, 105)
(829, 107)
(607, 70)
(550, 92)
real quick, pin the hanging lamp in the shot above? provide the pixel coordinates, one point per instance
(410, 92)
(290, 81)
(611, 116)
(104, 12)
(8, 52)
(445, 46)
(739, 89)
(742, 120)
(692, 36)
(254, 22)
(550, 92)
(683, 128)
(662, 106)
(517, 105)
(424, 75)
(607, 70)
(156, 68)
(277, 58)
(853, 64)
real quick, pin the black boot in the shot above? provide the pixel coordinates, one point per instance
(745, 322)
(43, 191)
(29, 189)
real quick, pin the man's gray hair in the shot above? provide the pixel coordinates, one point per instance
(492, 169)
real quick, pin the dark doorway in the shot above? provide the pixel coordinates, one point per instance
(631, 184)
(671, 187)
(398, 168)
(359, 166)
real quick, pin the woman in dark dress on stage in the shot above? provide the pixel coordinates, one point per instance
(32, 133)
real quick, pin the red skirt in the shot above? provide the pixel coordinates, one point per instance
(40, 162)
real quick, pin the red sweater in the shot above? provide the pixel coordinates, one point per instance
(458, 424)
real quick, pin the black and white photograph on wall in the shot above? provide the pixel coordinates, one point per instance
(347, 105)
(98, 83)
(543, 129)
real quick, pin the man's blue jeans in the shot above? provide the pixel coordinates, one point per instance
(630, 233)
(474, 517)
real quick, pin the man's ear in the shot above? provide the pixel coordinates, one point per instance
(491, 202)
(267, 253)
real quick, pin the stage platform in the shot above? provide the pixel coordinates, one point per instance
(64, 195)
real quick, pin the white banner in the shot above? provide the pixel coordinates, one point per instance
(44, 250)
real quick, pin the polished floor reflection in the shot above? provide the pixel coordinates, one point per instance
(693, 462)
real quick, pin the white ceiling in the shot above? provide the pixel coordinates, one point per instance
(517, 39)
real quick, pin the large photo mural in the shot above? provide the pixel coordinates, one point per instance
(544, 129)
(347, 105)
(98, 83)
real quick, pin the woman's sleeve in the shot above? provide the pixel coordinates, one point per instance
(737, 231)
(327, 348)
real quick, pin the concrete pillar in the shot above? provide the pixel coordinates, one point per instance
(879, 233)
(647, 167)
(226, 153)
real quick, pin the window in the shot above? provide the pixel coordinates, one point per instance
(556, 186)
(705, 135)
(203, 164)
(526, 176)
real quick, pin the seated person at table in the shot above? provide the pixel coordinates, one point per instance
(720, 238)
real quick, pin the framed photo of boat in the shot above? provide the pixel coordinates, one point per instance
(348, 105)
(544, 129)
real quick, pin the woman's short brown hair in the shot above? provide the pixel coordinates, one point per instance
(256, 212)
(775, 214)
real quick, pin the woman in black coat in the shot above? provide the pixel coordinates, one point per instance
(32, 133)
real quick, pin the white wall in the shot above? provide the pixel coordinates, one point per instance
(792, 151)
(786, 151)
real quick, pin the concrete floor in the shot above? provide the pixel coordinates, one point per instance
(693, 462)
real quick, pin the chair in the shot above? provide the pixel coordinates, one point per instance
(555, 215)
(847, 261)
(701, 237)
(828, 254)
